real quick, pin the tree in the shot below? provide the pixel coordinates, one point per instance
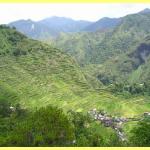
(4, 108)
(46, 127)
(85, 135)
(141, 133)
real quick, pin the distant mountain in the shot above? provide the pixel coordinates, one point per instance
(145, 11)
(109, 23)
(49, 27)
(103, 24)
(62, 24)
(97, 47)
(33, 29)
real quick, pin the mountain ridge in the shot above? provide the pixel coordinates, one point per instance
(48, 27)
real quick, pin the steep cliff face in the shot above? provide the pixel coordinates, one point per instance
(141, 53)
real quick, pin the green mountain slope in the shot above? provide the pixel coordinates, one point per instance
(35, 75)
(131, 66)
(103, 24)
(80, 45)
(98, 47)
(33, 70)
(33, 29)
(113, 55)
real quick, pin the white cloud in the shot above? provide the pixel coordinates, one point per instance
(11, 12)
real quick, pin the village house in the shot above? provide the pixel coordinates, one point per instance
(146, 113)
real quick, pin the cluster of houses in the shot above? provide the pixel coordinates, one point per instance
(114, 122)
(13, 109)
(106, 119)
(147, 114)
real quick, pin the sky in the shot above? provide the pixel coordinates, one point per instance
(92, 12)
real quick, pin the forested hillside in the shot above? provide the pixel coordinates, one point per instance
(131, 66)
(98, 47)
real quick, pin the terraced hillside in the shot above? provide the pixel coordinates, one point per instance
(35, 74)
(34, 70)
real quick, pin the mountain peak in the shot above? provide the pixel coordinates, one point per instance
(145, 11)
(56, 18)
(103, 23)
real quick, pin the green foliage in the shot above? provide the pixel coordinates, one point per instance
(141, 134)
(46, 127)
(4, 108)
(91, 133)
(9, 117)
(135, 89)
(18, 52)
(131, 67)
(49, 126)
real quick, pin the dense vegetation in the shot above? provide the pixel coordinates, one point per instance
(140, 134)
(51, 127)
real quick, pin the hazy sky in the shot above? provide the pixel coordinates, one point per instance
(10, 12)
